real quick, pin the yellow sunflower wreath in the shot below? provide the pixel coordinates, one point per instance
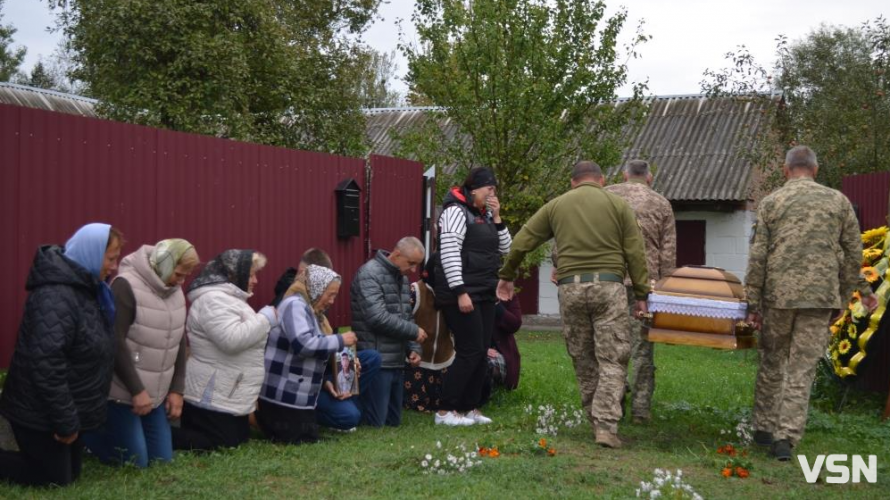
(851, 333)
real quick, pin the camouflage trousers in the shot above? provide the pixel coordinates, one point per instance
(790, 345)
(642, 360)
(594, 317)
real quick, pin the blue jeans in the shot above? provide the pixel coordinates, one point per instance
(382, 401)
(129, 438)
(345, 414)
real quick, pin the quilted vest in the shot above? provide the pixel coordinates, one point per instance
(154, 337)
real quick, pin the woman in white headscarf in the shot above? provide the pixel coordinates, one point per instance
(149, 365)
(297, 354)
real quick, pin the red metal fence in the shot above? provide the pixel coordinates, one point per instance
(396, 193)
(60, 171)
(868, 193)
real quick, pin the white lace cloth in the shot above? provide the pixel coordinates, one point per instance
(691, 306)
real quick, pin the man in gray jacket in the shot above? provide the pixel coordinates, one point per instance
(381, 317)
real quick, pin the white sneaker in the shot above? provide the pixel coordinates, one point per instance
(478, 417)
(453, 419)
(344, 431)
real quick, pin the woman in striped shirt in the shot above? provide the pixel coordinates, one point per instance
(472, 240)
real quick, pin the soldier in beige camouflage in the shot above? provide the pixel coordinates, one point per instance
(656, 220)
(599, 242)
(803, 264)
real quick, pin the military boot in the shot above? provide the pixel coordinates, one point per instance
(781, 449)
(607, 438)
(763, 438)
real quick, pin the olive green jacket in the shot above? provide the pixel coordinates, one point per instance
(596, 231)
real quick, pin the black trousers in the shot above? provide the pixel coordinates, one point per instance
(282, 424)
(42, 460)
(206, 430)
(463, 384)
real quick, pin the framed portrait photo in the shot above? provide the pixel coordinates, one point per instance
(345, 371)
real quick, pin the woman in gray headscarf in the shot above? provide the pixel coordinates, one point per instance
(296, 356)
(225, 369)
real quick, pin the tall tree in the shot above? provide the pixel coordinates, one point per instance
(40, 77)
(834, 88)
(376, 72)
(60, 65)
(270, 71)
(531, 86)
(10, 58)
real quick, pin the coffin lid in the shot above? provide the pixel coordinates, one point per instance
(703, 282)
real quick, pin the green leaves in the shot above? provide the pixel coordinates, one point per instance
(10, 58)
(834, 88)
(268, 71)
(530, 85)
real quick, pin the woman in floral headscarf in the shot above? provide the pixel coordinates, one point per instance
(227, 338)
(296, 356)
(149, 365)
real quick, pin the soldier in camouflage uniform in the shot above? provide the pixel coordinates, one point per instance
(598, 240)
(804, 263)
(656, 219)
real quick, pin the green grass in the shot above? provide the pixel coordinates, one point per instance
(699, 392)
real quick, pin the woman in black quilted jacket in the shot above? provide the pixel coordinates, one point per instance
(62, 365)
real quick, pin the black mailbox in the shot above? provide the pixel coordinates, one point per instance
(348, 208)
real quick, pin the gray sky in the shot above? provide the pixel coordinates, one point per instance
(688, 35)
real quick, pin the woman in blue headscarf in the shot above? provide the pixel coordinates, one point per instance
(61, 369)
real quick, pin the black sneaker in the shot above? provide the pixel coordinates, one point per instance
(763, 438)
(781, 449)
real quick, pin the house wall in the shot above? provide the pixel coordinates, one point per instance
(727, 235)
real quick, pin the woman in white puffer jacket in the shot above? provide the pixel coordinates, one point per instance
(227, 340)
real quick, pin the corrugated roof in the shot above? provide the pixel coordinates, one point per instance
(49, 100)
(696, 143)
(699, 146)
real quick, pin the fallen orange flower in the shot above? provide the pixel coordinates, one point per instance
(483, 451)
(741, 472)
(542, 443)
(551, 452)
(726, 472)
(727, 450)
(494, 453)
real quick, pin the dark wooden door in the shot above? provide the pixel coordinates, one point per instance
(690, 243)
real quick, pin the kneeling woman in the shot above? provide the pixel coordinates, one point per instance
(149, 366)
(227, 338)
(296, 357)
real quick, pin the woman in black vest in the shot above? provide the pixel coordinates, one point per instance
(472, 240)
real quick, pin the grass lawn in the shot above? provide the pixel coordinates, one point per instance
(699, 393)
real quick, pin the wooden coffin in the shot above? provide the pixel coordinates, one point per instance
(701, 306)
